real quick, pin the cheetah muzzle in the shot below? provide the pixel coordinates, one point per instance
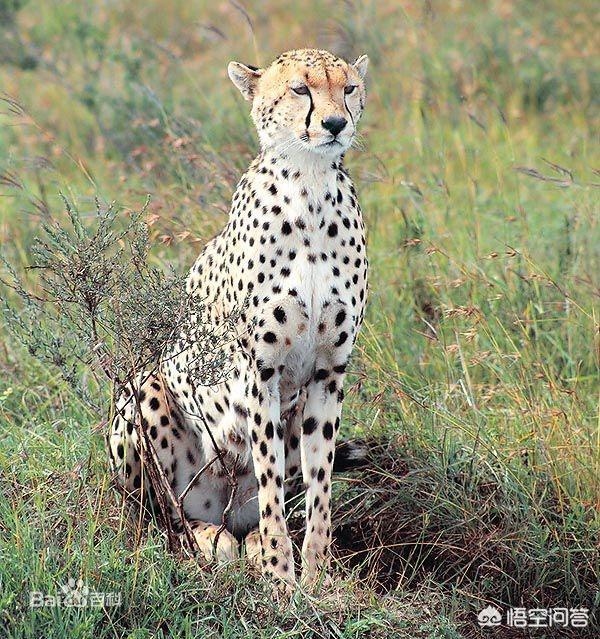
(293, 252)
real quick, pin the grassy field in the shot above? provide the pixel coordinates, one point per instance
(477, 368)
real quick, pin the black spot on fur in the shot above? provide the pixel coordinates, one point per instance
(309, 425)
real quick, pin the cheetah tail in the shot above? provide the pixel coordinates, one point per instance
(350, 455)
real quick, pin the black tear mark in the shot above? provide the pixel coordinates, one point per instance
(311, 108)
(347, 109)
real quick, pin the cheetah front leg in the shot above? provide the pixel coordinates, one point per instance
(319, 429)
(266, 432)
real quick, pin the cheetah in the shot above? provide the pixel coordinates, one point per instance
(293, 257)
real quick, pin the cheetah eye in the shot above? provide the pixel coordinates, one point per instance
(349, 89)
(301, 90)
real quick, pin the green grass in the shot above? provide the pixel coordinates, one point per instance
(478, 362)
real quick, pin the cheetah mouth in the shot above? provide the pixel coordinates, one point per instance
(329, 144)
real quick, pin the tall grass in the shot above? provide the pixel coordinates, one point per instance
(478, 363)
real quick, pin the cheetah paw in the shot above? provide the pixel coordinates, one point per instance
(316, 581)
(227, 546)
(253, 549)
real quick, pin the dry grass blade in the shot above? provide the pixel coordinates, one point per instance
(11, 180)
(14, 107)
(534, 173)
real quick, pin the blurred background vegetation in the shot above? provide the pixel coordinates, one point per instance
(478, 362)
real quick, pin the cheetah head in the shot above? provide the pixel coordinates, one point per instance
(306, 101)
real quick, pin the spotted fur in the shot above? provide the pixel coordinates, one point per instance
(293, 257)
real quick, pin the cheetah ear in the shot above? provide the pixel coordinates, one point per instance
(245, 77)
(361, 65)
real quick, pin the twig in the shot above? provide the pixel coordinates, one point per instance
(195, 478)
(233, 482)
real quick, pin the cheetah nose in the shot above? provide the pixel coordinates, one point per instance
(334, 124)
